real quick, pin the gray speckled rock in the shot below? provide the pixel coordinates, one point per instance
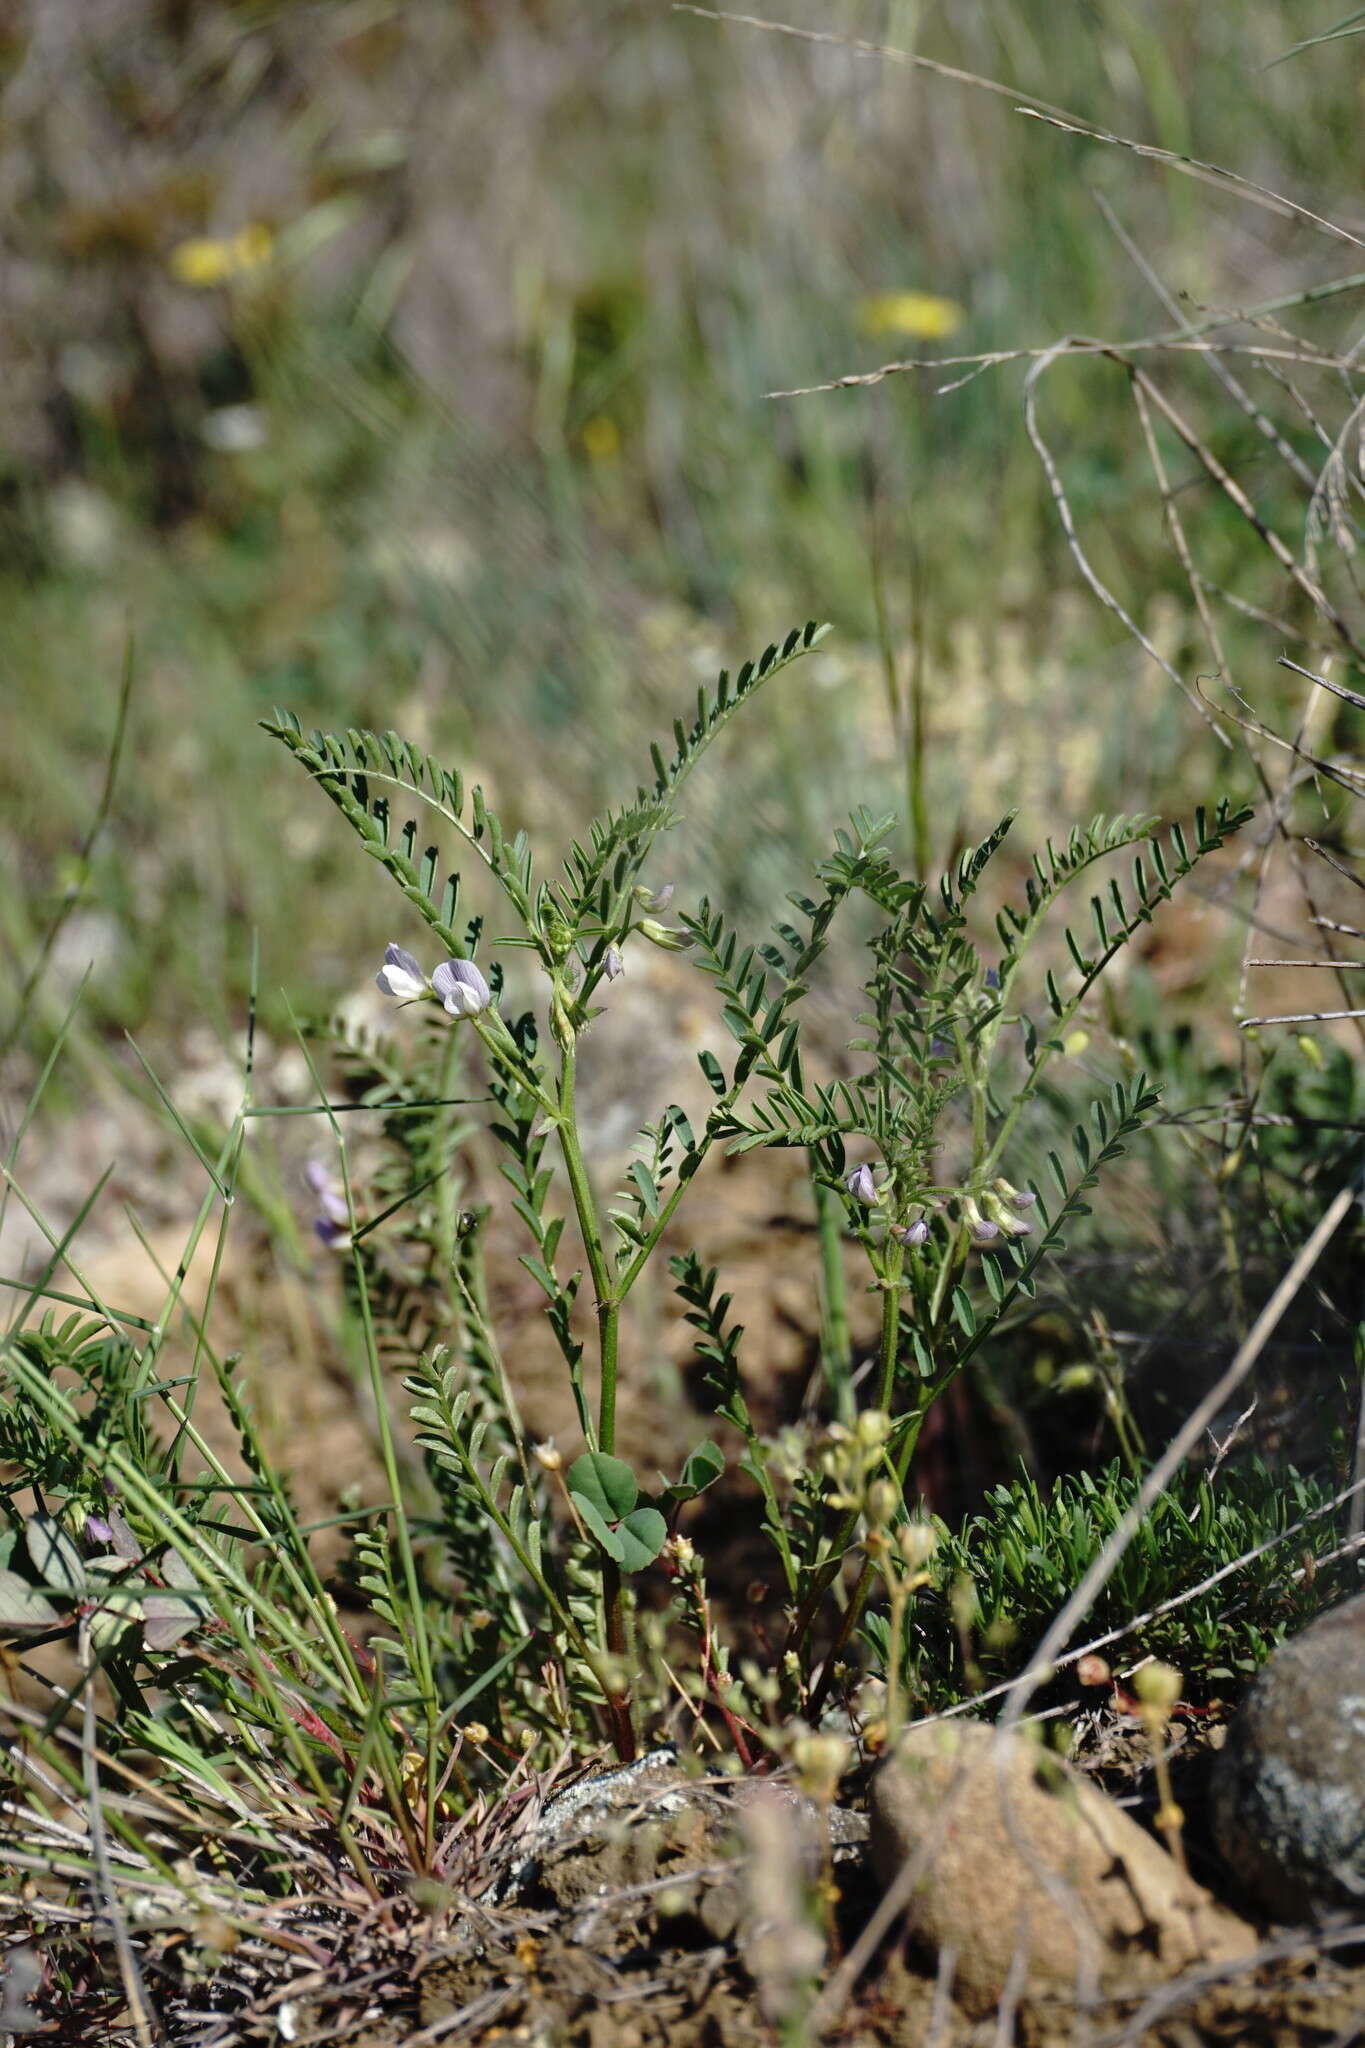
(1289, 1788)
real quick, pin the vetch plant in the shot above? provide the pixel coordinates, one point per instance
(953, 1048)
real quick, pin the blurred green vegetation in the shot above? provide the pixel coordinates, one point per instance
(406, 363)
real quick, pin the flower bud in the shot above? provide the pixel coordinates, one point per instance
(821, 1761)
(862, 1186)
(664, 935)
(653, 899)
(1158, 1685)
(613, 964)
(883, 1499)
(912, 1234)
(562, 1018)
(1005, 1221)
(872, 1428)
(547, 1457)
(558, 936)
(917, 1542)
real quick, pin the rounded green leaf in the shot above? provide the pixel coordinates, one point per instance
(703, 1468)
(598, 1529)
(641, 1536)
(169, 1616)
(23, 1607)
(55, 1557)
(607, 1482)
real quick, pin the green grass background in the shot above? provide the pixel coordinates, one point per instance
(518, 484)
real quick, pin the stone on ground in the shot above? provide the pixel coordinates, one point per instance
(1289, 1787)
(1034, 1879)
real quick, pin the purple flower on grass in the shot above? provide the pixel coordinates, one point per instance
(332, 1224)
(97, 1530)
(401, 975)
(862, 1186)
(992, 977)
(461, 987)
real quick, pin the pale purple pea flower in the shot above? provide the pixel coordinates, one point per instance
(862, 1186)
(992, 977)
(916, 1233)
(401, 975)
(982, 1229)
(332, 1224)
(613, 964)
(1016, 1198)
(666, 935)
(113, 1529)
(654, 899)
(461, 987)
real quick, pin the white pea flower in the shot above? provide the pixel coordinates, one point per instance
(401, 975)
(461, 987)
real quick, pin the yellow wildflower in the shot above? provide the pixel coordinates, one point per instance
(924, 316)
(601, 438)
(207, 260)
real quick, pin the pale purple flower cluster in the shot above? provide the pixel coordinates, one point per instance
(861, 1182)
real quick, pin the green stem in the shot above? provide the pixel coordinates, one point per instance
(608, 1304)
(599, 1263)
(891, 1310)
(836, 1341)
(886, 1376)
(412, 1627)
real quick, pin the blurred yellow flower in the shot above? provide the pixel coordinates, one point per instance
(923, 315)
(601, 438)
(206, 260)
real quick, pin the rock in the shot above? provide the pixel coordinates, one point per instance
(1289, 1786)
(1033, 1877)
